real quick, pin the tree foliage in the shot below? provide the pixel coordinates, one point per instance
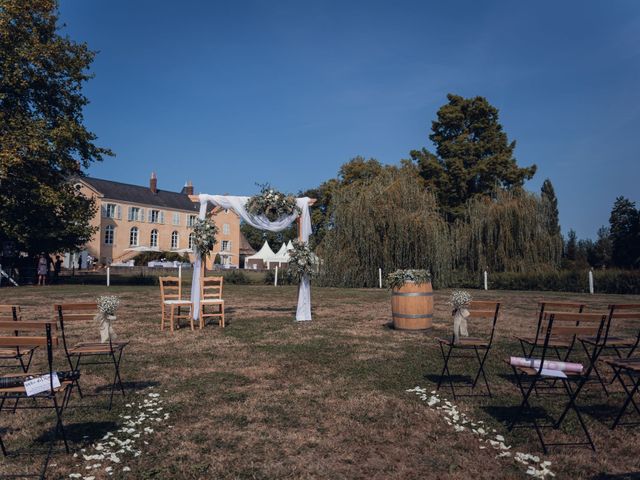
(625, 233)
(43, 142)
(548, 195)
(473, 154)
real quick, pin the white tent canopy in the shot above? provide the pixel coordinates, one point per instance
(265, 254)
(238, 205)
(282, 255)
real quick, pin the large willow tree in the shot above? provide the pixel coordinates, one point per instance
(507, 233)
(387, 221)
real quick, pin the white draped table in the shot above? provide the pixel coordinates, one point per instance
(238, 205)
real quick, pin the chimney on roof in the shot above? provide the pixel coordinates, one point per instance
(188, 188)
(153, 183)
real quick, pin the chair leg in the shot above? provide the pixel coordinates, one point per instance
(222, 315)
(117, 381)
(172, 313)
(629, 399)
(481, 370)
(59, 424)
(162, 319)
(445, 369)
(573, 394)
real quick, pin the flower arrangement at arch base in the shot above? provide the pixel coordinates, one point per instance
(302, 261)
(272, 204)
(204, 236)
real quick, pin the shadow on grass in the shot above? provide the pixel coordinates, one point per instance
(85, 432)
(128, 387)
(618, 476)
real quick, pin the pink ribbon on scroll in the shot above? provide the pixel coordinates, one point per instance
(548, 364)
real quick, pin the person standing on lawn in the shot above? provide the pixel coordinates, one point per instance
(43, 269)
(57, 266)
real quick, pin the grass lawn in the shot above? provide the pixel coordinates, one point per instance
(269, 398)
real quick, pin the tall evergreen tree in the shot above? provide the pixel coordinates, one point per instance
(601, 256)
(473, 154)
(571, 246)
(549, 196)
(43, 142)
(625, 233)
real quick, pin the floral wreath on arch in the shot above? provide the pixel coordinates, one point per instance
(272, 204)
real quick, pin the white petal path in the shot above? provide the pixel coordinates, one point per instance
(108, 453)
(460, 423)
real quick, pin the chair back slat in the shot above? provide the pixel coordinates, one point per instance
(574, 317)
(170, 288)
(76, 311)
(212, 287)
(572, 325)
(625, 306)
(10, 312)
(622, 317)
(561, 305)
(24, 325)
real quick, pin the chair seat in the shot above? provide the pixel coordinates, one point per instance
(209, 301)
(13, 353)
(177, 302)
(95, 347)
(21, 389)
(553, 342)
(611, 341)
(464, 342)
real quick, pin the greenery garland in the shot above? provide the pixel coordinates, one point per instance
(204, 236)
(272, 204)
(398, 278)
(302, 261)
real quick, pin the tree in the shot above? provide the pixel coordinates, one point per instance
(473, 155)
(43, 143)
(571, 246)
(601, 254)
(549, 196)
(625, 233)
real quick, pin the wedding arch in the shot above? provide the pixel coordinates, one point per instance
(238, 205)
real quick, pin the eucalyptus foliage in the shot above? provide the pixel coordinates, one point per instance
(302, 261)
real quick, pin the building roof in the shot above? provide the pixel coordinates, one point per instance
(245, 246)
(141, 195)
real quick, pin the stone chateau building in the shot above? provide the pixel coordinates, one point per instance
(134, 218)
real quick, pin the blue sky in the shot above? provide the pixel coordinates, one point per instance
(228, 94)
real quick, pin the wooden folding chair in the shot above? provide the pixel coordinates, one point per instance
(211, 295)
(631, 368)
(564, 324)
(617, 337)
(41, 336)
(22, 355)
(529, 343)
(172, 302)
(485, 310)
(75, 314)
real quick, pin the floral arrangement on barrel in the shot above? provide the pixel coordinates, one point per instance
(460, 301)
(107, 307)
(204, 236)
(398, 278)
(272, 204)
(302, 261)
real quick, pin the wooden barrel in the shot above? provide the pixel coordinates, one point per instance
(412, 306)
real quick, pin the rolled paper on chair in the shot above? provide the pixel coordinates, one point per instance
(547, 365)
(12, 382)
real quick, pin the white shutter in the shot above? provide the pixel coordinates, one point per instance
(118, 212)
(162, 217)
(141, 215)
(229, 247)
(104, 211)
(149, 216)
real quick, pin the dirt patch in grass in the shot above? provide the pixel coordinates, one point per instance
(269, 398)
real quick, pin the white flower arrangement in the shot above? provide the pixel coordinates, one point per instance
(272, 204)
(302, 261)
(460, 299)
(398, 278)
(204, 236)
(108, 304)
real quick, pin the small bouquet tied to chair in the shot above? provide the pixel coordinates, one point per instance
(460, 301)
(107, 307)
(411, 299)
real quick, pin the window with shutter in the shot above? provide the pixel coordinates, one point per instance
(141, 216)
(162, 217)
(119, 212)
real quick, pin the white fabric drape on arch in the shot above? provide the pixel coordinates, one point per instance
(237, 204)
